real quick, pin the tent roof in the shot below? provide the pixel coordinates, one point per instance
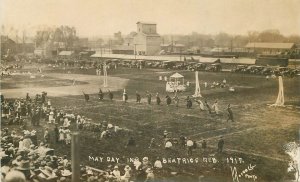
(176, 75)
(65, 53)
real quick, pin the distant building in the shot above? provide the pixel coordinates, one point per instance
(123, 49)
(147, 40)
(270, 48)
(47, 50)
(8, 46)
(172, 48)
(66, 54)
(128, 40)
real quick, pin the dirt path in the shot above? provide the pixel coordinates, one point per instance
(94, 83)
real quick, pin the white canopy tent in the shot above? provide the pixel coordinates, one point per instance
(174, 84)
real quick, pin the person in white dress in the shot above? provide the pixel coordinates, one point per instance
(126, 177)
(168, 145)
(68, 136)
(66, 122)
(61, 134)
(51, 117)
(116, 172)
(137, 163)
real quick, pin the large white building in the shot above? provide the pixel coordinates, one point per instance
(147, 41)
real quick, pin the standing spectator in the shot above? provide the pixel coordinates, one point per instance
(33, 137)
(182, 140)
(224, 81)
(157, 99)
(125, 96)
(100, 94)
(149, 97)
(189, 144)
(51, 117)
(68, 136)
(61, 134)
(49, 103)
(27, 141)
(189, 102)
(28, 98)
(138, 97)
(220, 145)
(56, 133)
(205, 84)
(166, 78)
(176, 99)
(46, 136)
(110, 95)
(168, 100)
(230, 114)
(86, 97)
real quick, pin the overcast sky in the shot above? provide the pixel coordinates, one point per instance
(104, 17)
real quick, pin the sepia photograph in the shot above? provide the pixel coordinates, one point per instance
(150, 90)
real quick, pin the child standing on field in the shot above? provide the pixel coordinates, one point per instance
(68, 136)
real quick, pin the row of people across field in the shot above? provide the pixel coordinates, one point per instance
(203, 106)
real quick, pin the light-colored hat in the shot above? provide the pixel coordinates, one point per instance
(90, 172)
(66, 172)
(110, 126)
(145, 159)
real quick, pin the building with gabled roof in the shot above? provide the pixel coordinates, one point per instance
(270, 47)
(8, 46)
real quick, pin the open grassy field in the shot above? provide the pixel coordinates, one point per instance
(257, 136)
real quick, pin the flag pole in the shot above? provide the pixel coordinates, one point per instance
(75, 157)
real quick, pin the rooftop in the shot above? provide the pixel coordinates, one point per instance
(123, 47)
(270, 45)
(170, 44)
(65, 53)
(147, 23)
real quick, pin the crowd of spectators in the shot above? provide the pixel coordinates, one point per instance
(24, 157)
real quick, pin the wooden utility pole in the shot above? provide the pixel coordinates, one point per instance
(75, 157)
(135, 51)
